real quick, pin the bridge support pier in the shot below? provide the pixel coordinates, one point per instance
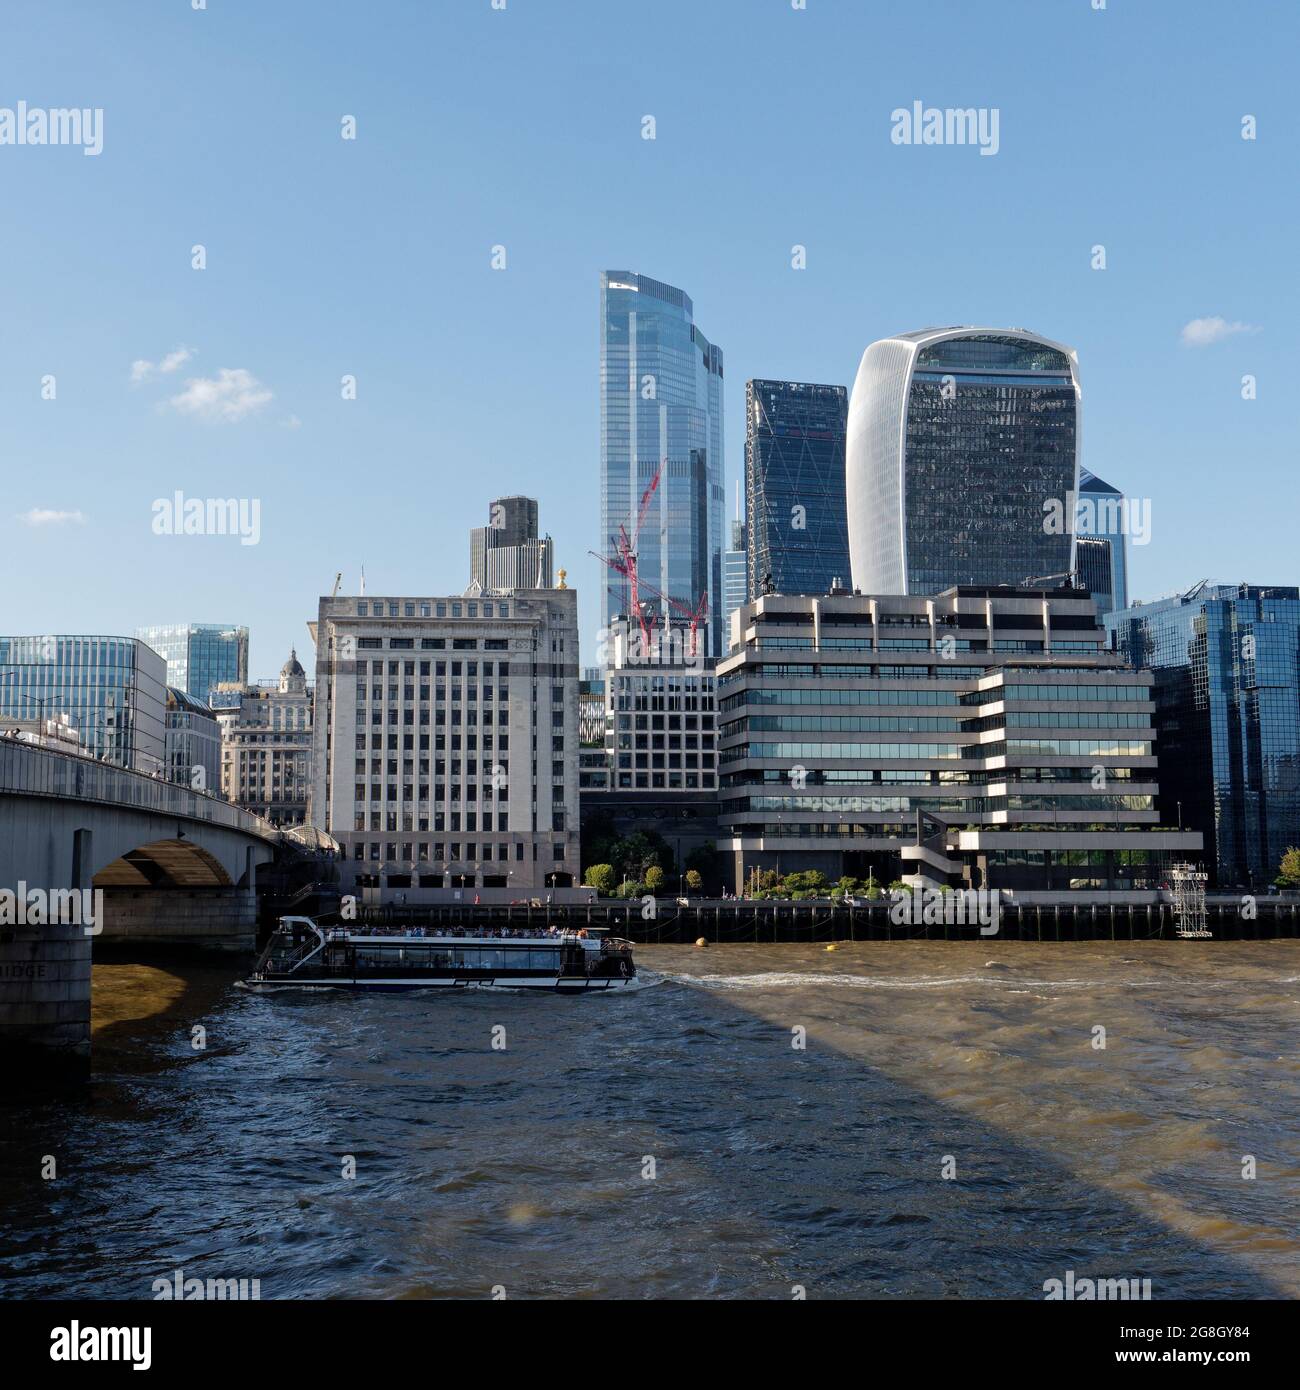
(45, 987)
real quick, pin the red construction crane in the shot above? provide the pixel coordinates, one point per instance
(627, 549)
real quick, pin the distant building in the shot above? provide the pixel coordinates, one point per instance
(266, 745)
(1226, 659)
(445, 743)
(962, 459)
(110, 690)
(1101, 555)
(795, 487)
(199, 656)
(982, 737)
(735, 575)
(660, 417)
(593, 760)
(193, 743)
(508, 553)
(660, 755)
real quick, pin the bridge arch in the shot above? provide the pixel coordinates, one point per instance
(169, 863)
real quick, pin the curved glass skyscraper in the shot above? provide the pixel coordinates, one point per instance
(660, 409)
(962, 460)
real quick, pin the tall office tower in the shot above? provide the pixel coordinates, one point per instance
(735, 576)
(110, 690)
(1226, 659)
(508, 553)
(794, 486)
(445, 742)
(1100, 517)
(991, 717)
(962, 460)
(660, 456)
(199, 656)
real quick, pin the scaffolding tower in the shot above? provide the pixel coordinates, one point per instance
(1187, 897)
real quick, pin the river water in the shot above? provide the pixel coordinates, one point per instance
(950, 1126)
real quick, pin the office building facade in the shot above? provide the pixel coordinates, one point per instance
(266, 745)
(110, 690)
(660, 713)
(795, 487)
(979, 738)
(199, 656)
(661, 443)
(962, 460)
(508, 553)
(192, 743)
(1226, 665)
(445, 743)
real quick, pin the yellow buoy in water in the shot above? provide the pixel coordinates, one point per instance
(833, 946)
(700, 941)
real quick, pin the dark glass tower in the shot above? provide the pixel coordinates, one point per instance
(1227, 665)
(962, 460)
(794, 486)
(660, 414)
(1101, 519)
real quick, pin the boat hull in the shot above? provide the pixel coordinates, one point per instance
(576, 985)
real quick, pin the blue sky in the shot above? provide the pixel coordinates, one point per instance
(522, 127)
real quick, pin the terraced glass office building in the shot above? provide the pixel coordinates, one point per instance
(983, 738)
(958, 439)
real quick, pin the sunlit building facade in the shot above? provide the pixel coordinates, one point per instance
(1226, 664)
(962, 460)
(199, 656)
(110, 690)
(978, 738)
(660, 413)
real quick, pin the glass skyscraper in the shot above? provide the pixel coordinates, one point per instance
(794, 486)
(112, 690)
(660, 414)
(199, 655)
(962, 459)
(1103, 567)
(1226, 659)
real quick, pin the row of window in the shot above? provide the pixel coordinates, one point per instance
(471, 852)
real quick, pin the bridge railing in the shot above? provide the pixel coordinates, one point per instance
(31, 771)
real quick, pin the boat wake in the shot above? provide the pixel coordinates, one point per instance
(779, 979)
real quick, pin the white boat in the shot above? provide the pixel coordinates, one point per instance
(301, 952)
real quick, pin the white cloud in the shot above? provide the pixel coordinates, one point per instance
(1203, 332)
(225, 398)
(142, 369)
(46, 516)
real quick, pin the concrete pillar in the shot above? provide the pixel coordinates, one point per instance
(45, 984)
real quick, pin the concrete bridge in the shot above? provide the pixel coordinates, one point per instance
(90, 851)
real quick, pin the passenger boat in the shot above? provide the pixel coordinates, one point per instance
(301, 952)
